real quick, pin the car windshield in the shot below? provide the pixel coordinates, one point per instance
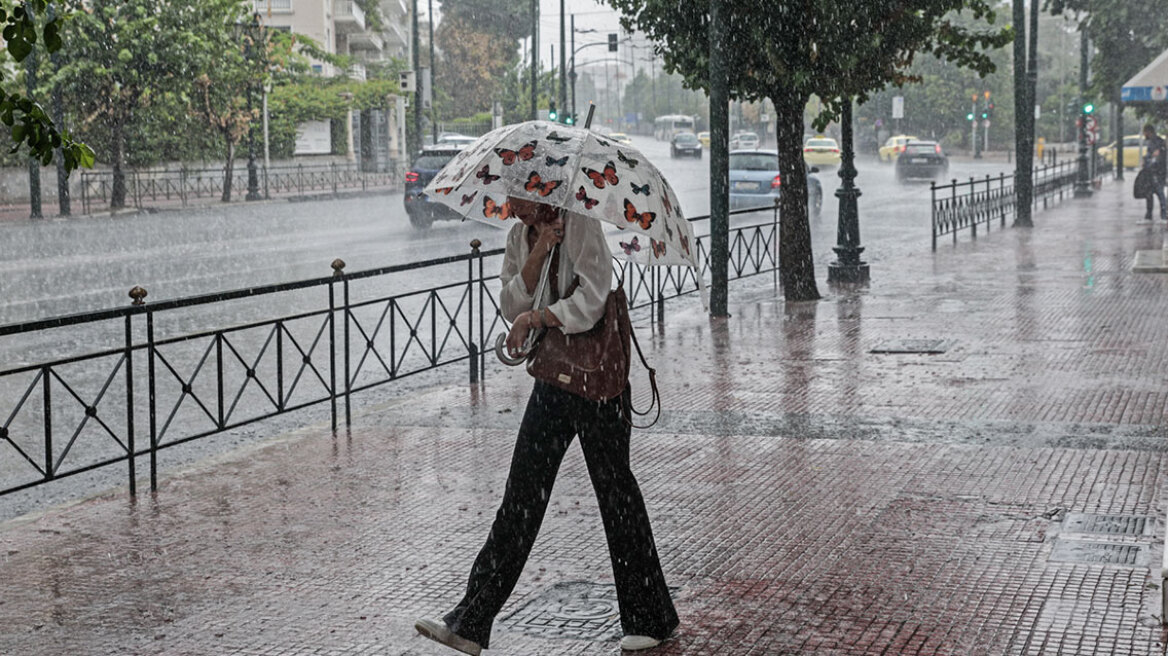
(821, 143)
(753, 162)
(432, 160)
(921, 149)
(686, 138)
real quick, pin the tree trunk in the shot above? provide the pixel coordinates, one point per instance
(796, 260)
(228, 170)
(118, 193)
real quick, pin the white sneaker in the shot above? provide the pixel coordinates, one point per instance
(440, 633)
(637, 643)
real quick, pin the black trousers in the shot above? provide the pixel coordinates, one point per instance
(553, 417)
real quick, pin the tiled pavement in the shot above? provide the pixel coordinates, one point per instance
(809, 496)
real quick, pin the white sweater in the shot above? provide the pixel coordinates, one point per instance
(584, 253)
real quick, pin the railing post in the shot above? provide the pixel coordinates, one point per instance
(129, 358)
(482, 344)
(333, 343)
(989, 202)
(973, 207)
(332, 348)
(182, 184)
(333, 169)
(300, 179)
(659, 287)
(933, 205)
(1014, 195)
(46, 393)
(472, 348)
(348, 360)
(953, 209)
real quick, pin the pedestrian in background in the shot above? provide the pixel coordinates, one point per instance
(554, 416)
(1156, 161)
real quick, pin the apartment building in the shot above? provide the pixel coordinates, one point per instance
(342, 27)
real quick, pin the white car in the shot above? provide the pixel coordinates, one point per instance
(744, 141)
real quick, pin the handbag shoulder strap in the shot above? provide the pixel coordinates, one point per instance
(655, 404)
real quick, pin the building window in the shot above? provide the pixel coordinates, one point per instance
(277, 6)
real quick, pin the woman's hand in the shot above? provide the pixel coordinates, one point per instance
(519, 330)
(548, 234)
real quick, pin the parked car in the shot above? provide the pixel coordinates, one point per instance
(921, 159)
(419, 208)
(620, 137)
(744, 141)
(755, 181)
(821, 151)
(685, 144)
(1133, 151)
(456, 140)
(894, 147)
(704, 139)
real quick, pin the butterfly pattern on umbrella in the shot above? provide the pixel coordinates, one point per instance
(577, 170)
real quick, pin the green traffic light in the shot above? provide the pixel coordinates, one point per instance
(969, 117)
(1088, 108)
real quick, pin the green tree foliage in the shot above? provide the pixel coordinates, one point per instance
(1127, 36)
(787, 51)
(474, 64)
(29, 125)
(124, 56)
(507, 19)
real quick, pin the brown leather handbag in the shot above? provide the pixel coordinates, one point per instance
(593, 364)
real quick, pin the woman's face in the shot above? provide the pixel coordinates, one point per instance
(531, 212)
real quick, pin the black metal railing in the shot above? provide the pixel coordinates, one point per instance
(182, 186)
(966, 205)
(144, 380)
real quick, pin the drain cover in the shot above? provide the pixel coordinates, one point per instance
(1099, 553)
(575, 609)
(1107, 524)
(930, 346)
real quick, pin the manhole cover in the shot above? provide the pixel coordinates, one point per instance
(1107, 524)
(912, 346)
(1099, 553)
(575, 609)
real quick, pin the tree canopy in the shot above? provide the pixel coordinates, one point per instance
(838, 50)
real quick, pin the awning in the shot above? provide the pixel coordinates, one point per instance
(1149, 85)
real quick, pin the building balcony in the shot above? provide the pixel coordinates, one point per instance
(357, 72)
(265, 7)
(366, 41)
(348, 16)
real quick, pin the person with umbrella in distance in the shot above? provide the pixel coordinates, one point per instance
(556, 275)
(1156, 161)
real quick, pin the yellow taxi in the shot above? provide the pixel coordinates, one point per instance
(1133, 151)
(821, 150)
(620, 137)
(704, 138)
(894, 147)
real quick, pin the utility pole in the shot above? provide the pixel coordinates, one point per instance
(719, 162)
(414, 57)
(563, 104)
(433, 74)
(573, 73)
(848, 267)
(534, 59)
(1023, 168)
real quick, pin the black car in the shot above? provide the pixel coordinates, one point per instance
(421, 211)
(685, 144)
(921, 159)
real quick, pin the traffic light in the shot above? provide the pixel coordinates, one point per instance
(990, 111)
(570, 119)
(612, 42)
(1088, 108)
(552, 111)
(969, 116)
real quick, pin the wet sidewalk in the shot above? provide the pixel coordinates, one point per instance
(969, 457)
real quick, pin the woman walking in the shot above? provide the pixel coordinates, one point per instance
(571, 299)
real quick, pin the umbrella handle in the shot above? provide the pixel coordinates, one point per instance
(500, 343)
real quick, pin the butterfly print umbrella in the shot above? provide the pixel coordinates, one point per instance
(577, 170)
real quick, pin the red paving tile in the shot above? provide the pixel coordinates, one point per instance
(808, 496)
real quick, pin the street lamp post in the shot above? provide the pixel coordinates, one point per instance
(848, 268)
(1082, 183)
